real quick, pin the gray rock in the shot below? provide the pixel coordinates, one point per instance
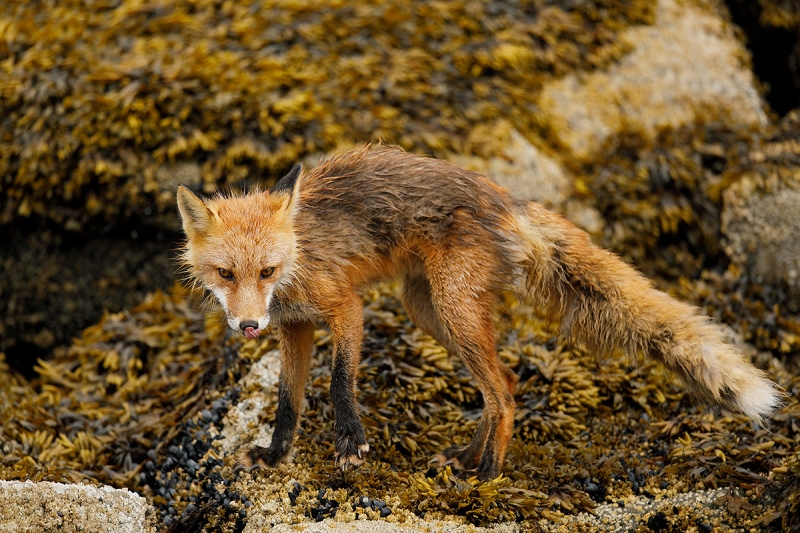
(47, 506)
(526, 171)
(377, 526)
(700, 506)
(687, 66)
(761, 212)
(187, 173)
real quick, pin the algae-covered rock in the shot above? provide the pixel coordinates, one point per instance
(687, 67)
(658, 198)
(761, 217)
(106, 107)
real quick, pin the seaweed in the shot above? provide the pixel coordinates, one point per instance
(99, 406)
(142, 398)
(106, 108)
(661, 198)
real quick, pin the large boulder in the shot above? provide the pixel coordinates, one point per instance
(686, 68)
(68, 508)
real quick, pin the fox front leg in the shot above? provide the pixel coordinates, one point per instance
(297, 342)
(346, 323)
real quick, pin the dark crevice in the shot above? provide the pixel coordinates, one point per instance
(54, 283)
(775, 52)
(22, 357)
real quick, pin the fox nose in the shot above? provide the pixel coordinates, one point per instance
(250, 329)
(244, 324)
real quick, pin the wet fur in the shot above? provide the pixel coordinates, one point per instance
(454, 240)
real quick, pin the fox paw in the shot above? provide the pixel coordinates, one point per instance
(454, 457)
(352, 460)
(465, 464)
(259, 457)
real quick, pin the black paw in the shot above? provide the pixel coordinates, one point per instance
(351, 461)
(259, 457)
(351, 451)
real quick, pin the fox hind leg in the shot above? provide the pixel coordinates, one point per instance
(461, 321)
(416, 297)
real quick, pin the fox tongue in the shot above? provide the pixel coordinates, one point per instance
(252, 333)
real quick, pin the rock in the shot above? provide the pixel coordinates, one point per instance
(681, 511)
(687, 66)
(761, 213)
(525, 170)
(378, 526)
(47, 506)
(529, 173)
(241, 425)
(171, 175)
(585, 216)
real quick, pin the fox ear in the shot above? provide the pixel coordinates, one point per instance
(196, 216)
(289, 183)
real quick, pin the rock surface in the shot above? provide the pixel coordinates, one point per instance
(688, 65)
(374, 526)
(678, 513)
(526, 171)
(531, 174)
(45, 506)
(761, 215)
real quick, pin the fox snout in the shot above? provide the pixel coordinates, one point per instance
(250, 329)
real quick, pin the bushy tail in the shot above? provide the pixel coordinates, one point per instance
(606, 305)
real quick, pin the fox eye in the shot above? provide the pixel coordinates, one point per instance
(267, 272)
(224, 273)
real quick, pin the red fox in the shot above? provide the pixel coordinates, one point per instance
(301, 251)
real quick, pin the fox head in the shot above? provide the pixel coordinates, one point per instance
(242, 247)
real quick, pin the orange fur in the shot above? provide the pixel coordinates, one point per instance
(454, 240)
